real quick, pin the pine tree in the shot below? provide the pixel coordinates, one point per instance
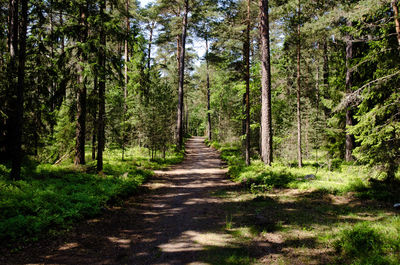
(266, 117)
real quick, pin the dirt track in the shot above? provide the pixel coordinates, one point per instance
(171, 223)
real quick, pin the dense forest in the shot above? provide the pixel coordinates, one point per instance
(97, 93)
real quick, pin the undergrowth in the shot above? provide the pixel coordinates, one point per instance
(366, 243)
(357, 242)
(345, 178)
(50, 198)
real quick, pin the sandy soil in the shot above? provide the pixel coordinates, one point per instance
(172, 222)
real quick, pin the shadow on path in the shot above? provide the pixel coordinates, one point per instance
(171, 223)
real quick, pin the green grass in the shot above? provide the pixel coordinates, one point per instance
(345, 178)
(140, 157)
(229, 255)
(338, 217)
(311, 227)
(370, 243)
(54, 197)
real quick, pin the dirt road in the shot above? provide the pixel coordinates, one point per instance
(174, 222)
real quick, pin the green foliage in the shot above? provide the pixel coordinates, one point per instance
(377, 131)
(153, 114)
(141, 158)
(63, 140)
(337, 178)
(369, 245)
(55, 197)
(379, 190)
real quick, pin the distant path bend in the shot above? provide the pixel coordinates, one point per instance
(173, 223)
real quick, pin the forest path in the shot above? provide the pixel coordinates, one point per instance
(177, 221)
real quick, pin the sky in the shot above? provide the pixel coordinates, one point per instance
(143, 3)
(197, 45)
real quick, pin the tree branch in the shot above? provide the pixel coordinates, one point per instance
(355, 98)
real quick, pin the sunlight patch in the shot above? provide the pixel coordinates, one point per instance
(122, 242)
(68, 246)
(211, 239)
(194, 241)
(192, 171)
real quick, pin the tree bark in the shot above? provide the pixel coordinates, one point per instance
(266, 116)
(186, 117)
(247, 77)
(11, 103)
(396, 19)
(94, 115)
(178, 49)
(178, 59)
(299, 153)
(102, 89)
(317, 92)
(126, 55)
(81, 95)
(349, 84)
(17, 150)
(208, 94)
(52, 91)
(182, 76)
(150, 43)
(325, 65)
(63, 82)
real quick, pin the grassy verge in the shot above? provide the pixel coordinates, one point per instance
(344, 179)
(291, 226)
(50, 198)
(334, 217)
(140, 158)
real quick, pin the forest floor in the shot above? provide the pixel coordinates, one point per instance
(193, 214)
(171, 222)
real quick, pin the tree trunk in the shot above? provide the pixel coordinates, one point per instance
(208, 94)
(11, 103)
(63, 81)
(11, 108)
(17, 150)
(81, 95)
(126, 55)
(317, 105)
(349, 84)
(52, 91)
(182, 76)
(299, 153)
(94, 140)
(150, 43)
(178, 59)
(326, 66)
(266, 116)
(247, 76)
(186, 116)
(396, 19)
(102, 89)
(178, 49)
(178, 53)
(94, 133)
